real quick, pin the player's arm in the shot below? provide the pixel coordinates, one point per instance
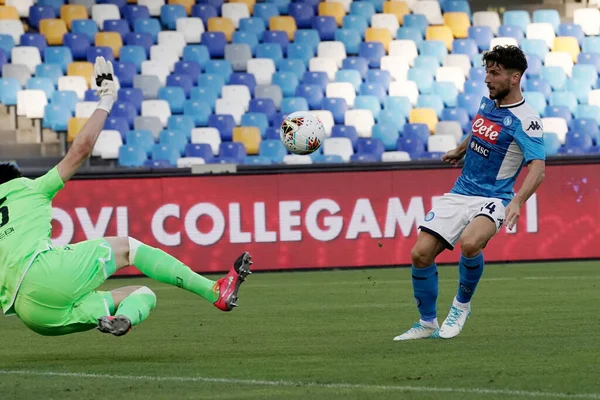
(84, 143)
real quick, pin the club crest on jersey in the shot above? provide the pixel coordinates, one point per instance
(507, 121)
(485, 129)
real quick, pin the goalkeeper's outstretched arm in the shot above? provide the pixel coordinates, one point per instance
(84, 143)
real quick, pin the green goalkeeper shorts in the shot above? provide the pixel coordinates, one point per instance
(58, 294)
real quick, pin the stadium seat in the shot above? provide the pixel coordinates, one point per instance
(427, 116)
(551, 143)
(396, 8)
(334, 10)
(490, 19)
(175, 96)
(175, 138)
(451, 128)
(273, 150)
(235, 12)
(156, 108)
(53, 30)
(458, 22)
(431, 10)
(108, 144)
(557, 126)
(413, 147)
(432, 101)
(441, 143)
(562, 60)
(325, 26)
(339, 146)
(588, 19)
(286, 24)
(567, 45)
(105, 12)
(262, 69)
(361, 120)
(249, 136)
(111, 40)
(131, 156)
(165, 152)
(74, 127)
(516, 17)
(511, 31)
(257, 120)
(407, 89)
(482, 35)
(541, 31)
(551, 17)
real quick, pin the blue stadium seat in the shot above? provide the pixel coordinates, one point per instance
(9, 87)
(126, 110)
(391, 118)
(373, 89)
(326, 26)
(91, 95)
(337, 106)
(86, 27)
(551, 17)
(199, 111)
(282, 5)
(7, 43)
(551, 143)
(589, 59)
(422, 78)
(56, 118)
(116, 25)
(366, 102)
(579, 140)
(215, 42)
(272, 134)
(536, 100)
(477, 74)
(277, 119)
(181, 122)
(465, 46)
(309, 37)
(358, 23)
(39, 12)
(121, 4)
(34, 40)
(313, 3)
(312, 94)
(135, 55)
(78, 44)
(587, 126)
(295, 67)
(257, 160)
(358, 63)
(131, 156)
(150, 26)
(293, 104)
(169, 14)
(219, 67)
(538, 85)
(196, 53)
(580, 87)
(519, 18)
(534, 66)
(175, 96)
(265, 106)
(174, 138)
(379, 76)
(212, 81)
(316, 78)
(558, 111)
(117, 124)
(272, 149)
(205, 12)
(378, 4)
(586, 73)
(587, 111)
(469, 103)
(434, 48)
(265, 11)
(253, 26)
(125, 72)
(387, 135)
(66, 99)
(456, 6)
(50, 71)
(224, 124)
(99, 51)
(372, 146)
(43, 84)
(329, 159)
(417, 21)
(248, 38)
(447, 91)
(477, 88)
(191, 68)
(362, 8)
(512, 31)
(482, 35)
(205, 95)
(407, 33)
(351, 39)
(243, 78)
(201, 150)
(60, 55)
(535, 47)
(555, 76)
(416, 132)
(287, 82)
(270, 50)
(157, 164)
(428, 63)
(165, 152)
(256, 119)
(133, 12)
(299, 51)
(278, 38)
(3, 59)
(141, 139)
(372, 52)
(399, 104)
(572, 30)
(139, 39)
(413, 147)
(460, 115)
(345, 132)
(566, 99)
(302, 13)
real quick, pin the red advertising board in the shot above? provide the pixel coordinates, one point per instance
(318, 219)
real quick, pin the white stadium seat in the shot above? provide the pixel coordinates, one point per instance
(157, 69)
(31, 103)
(12, 28)
(395, 156)
(431, 10)
(189, 162)
(235, 12)
(344, 3)
(192, 29)
(103, 12)
(157, 108)
(451, 74)
(85, 109)
(338, 146)
(296, 159)
(589, 19)
(556, 125)
(107, 145)
(22, 6)
(441, 143)
(154, 6)
(397, 66)
(406, 49)
(503, 41)
(361, 120)
(77, 84)
(26, 55)
(333, 50)
(233, 108)
(386, 21)
(451, 128)
(560, 59)
(487, 18)
(327, 65)
(458, 60)
(262, 69)
(543, 31)
(345, 90)
(210, 136)
(239, 94)
(594, 97)
(326, 118)
(172, 39)
(165, 55)
(407, 89)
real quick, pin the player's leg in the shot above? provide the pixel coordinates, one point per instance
(131, 305)
(486, 223)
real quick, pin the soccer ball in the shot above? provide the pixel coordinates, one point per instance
(302, 132)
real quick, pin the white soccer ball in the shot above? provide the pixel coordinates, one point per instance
(302, 132)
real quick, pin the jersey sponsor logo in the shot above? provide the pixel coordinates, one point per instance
(486, 129)
(480, 149)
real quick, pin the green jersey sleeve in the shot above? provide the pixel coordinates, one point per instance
(49, 184)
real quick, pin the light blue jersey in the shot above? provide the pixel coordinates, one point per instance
(503, 139)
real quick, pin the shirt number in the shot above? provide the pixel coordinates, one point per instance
(3, 213)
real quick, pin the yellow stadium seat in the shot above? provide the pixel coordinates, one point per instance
(224, 25)
(188, 4)
(249, 3)
(567, 44)
(81, 68)
(381, 35)
(53, 30)
(335, 10)
(284, 23)
(132, 1)
(74, 127)
(398, 8)
(459, 24)
(249, 136)
(9, 12)
(441, 33)
(425, 116)
(71, 12)
(110, 39)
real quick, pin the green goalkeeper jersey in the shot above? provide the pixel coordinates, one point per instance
(25, 229)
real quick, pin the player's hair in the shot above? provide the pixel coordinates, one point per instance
(8, 172)
(509, 56)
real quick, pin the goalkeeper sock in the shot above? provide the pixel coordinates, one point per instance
(137, 305)
(162, 267)
(470, 271)
(425, 287)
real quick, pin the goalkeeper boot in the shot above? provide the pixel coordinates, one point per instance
(229, 285)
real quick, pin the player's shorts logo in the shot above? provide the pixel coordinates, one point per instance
(485, 129)
(430, 215)
(480, 149)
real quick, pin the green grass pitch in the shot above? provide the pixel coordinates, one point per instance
(328, 335)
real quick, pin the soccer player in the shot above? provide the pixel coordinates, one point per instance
(506, 134)
(53, 289)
